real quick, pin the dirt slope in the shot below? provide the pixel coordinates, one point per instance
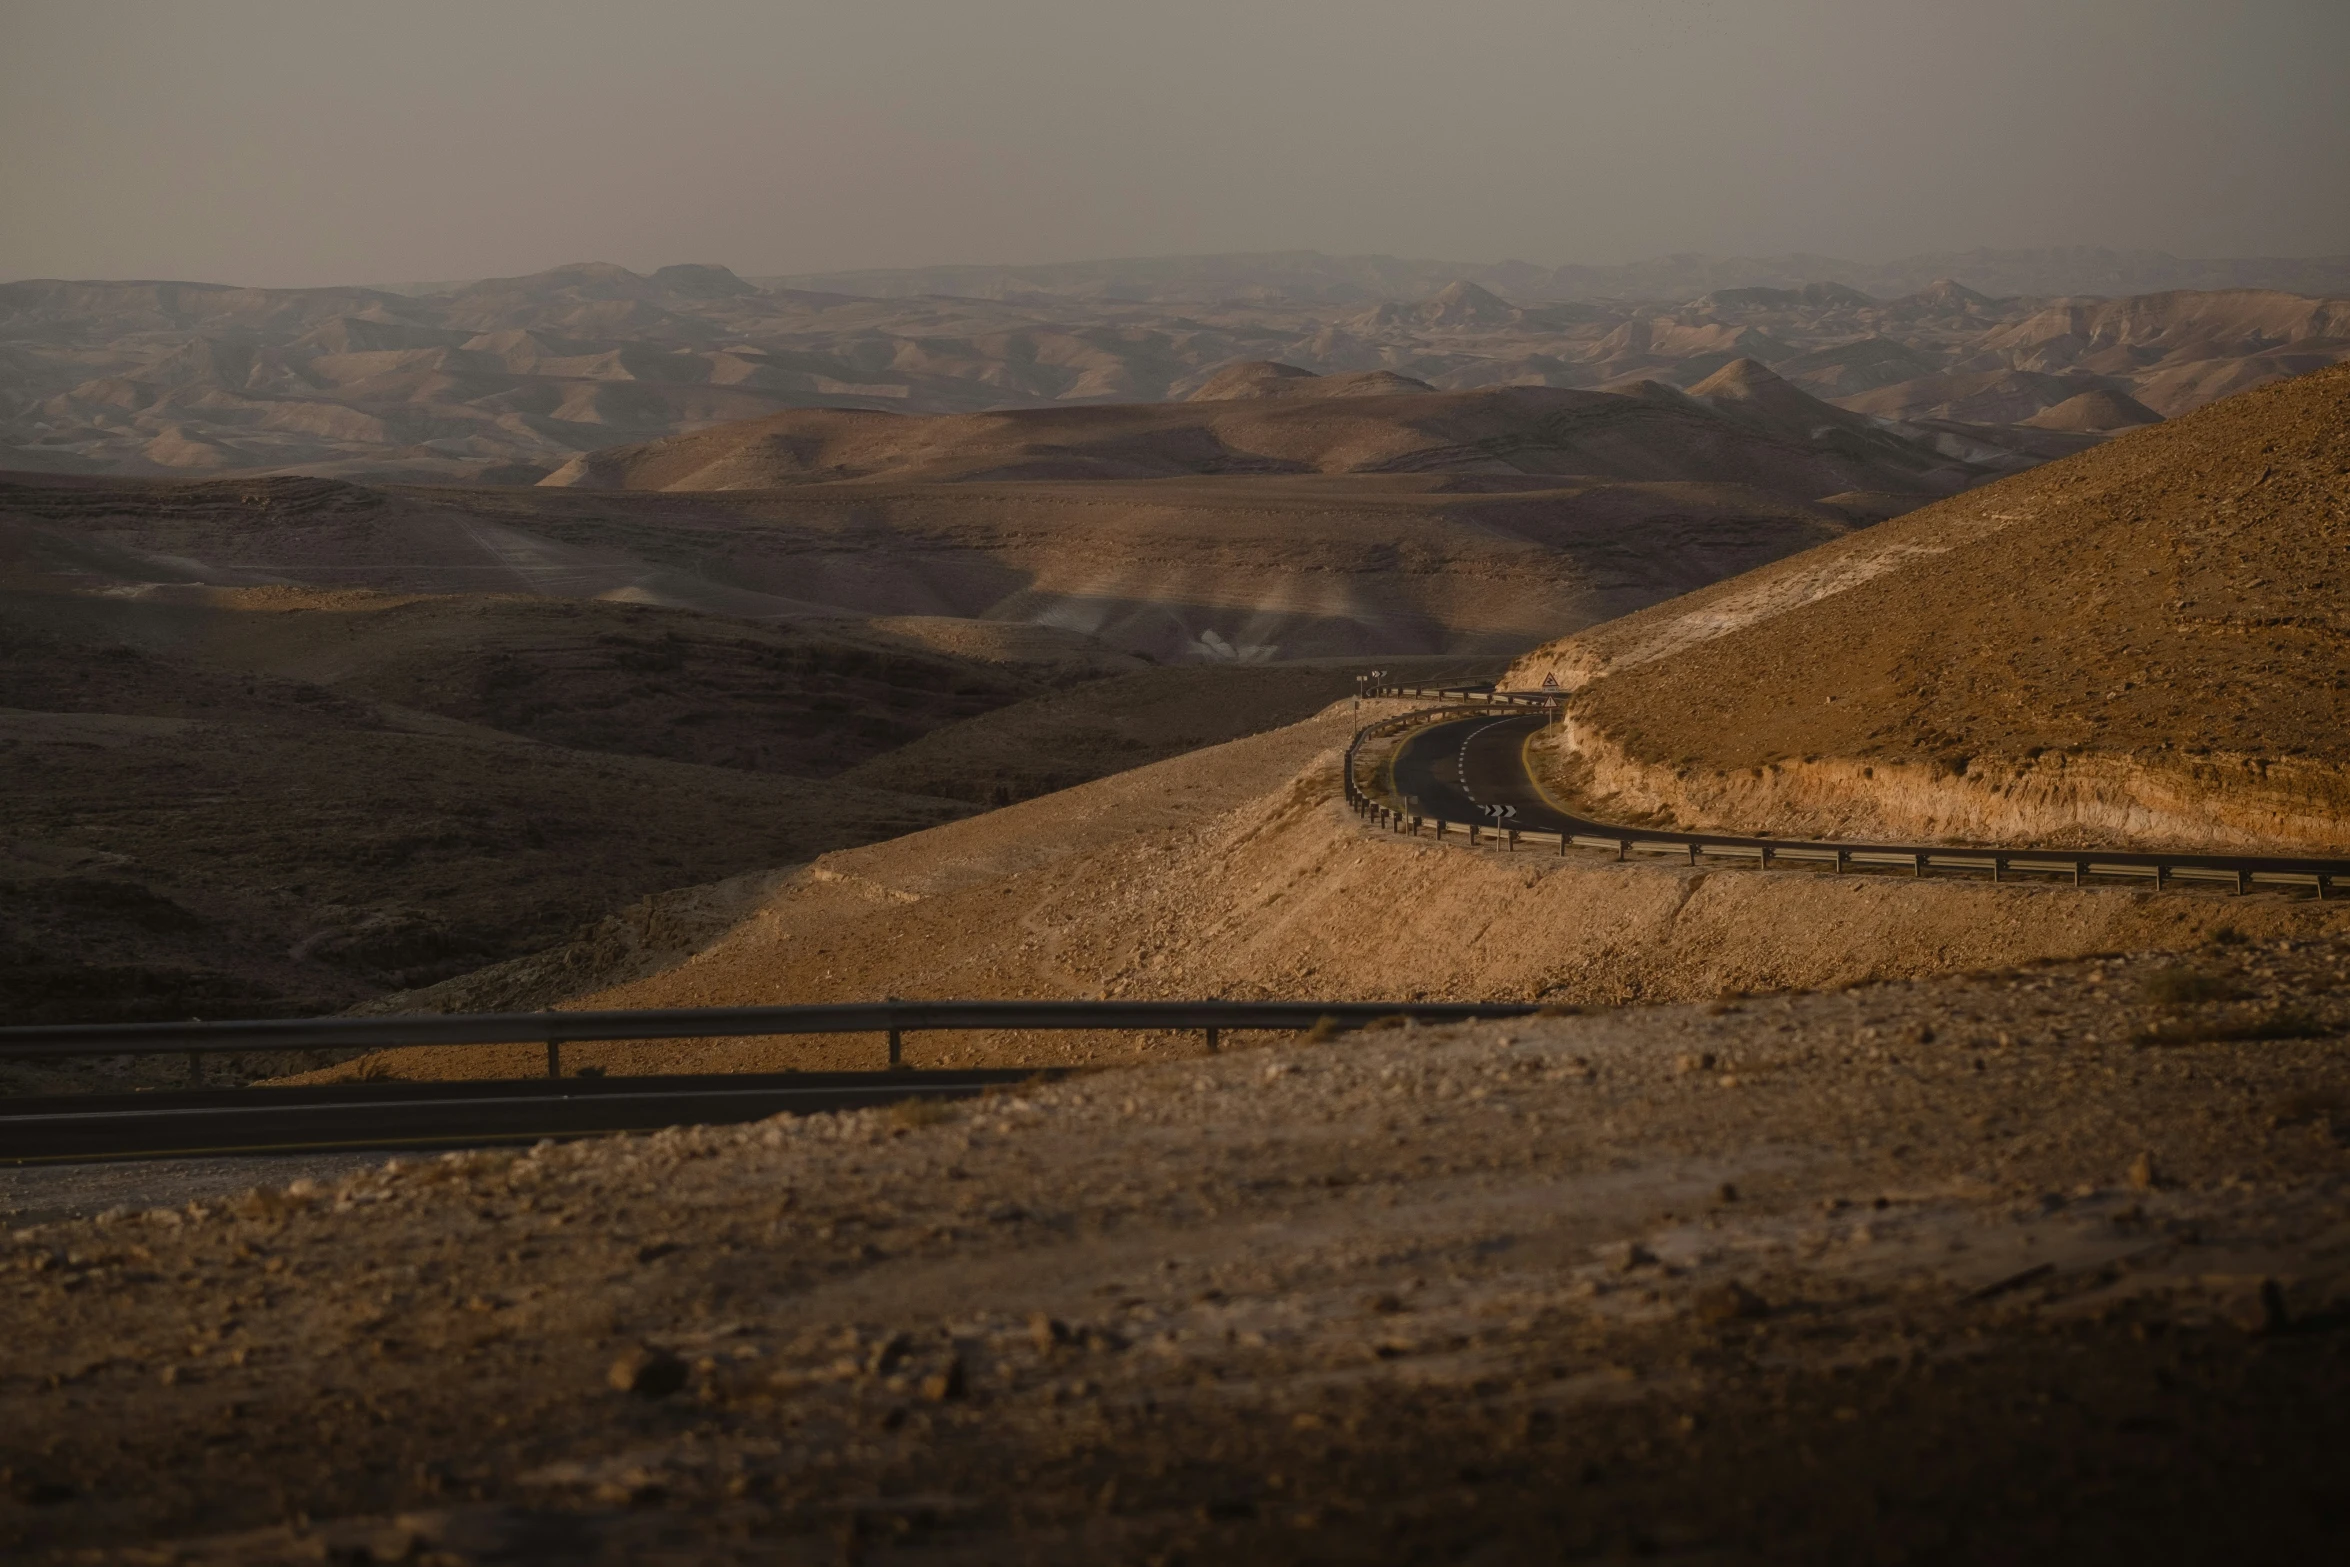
(1109, 726)
(2141, 644)
(1235, 872)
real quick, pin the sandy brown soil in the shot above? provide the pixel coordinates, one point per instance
(2140, 645)
(2049, 1264)
(1031, 749)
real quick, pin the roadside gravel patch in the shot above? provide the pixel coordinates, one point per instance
(36, 1194)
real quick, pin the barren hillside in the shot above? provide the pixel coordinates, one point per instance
(2141, 644)
(181, 841)
(628, 679)
(1066, 578)
(1510, 431)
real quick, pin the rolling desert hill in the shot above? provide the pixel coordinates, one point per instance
(2099, 411)
(626, 679)
(2142, 644)
(284, 800)
(1506, 431)
(2170, 353)
(272, 749)
(178, 840)
(1240, 528)
(2179, 350)
(504, 380)
(389, 687)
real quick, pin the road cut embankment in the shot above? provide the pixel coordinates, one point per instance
(2213, 802)
(1236, 872)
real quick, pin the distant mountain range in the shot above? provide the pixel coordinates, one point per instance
(1999, 358)
(1309, 275)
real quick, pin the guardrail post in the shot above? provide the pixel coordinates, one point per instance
(1766, 856)
(1472, 835)
(1513, 837)
(2080, 869)
(1841, 856)
(1693, 855)
(195, 1069)
(2321, 886)
(2243, 880)
(1917, 867)
(1623, 849)
(1212, 1033)
(1997, 865)
(554, 1058)
(2158, 873)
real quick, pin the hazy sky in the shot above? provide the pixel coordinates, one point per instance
(315, 141)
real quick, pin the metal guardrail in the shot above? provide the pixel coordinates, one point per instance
(894, 1019)
(2241, 872)
(1482, 696)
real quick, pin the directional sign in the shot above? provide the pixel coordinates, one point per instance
(1500, 813)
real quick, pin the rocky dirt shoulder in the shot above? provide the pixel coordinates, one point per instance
(2046, 1261)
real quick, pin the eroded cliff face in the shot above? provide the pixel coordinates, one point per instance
(2054, 799)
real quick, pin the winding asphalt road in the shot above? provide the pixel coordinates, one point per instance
(1457, 770)
(1462, 769)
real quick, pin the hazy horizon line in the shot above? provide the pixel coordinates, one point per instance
(408, 285)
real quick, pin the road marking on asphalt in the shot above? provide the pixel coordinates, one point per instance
(1469, 793)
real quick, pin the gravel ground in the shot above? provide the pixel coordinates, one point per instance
(43, 1193)
(2036, 1265)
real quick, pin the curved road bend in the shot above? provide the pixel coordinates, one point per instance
(1459, 768)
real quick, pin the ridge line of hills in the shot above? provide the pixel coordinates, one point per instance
(507, 379)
